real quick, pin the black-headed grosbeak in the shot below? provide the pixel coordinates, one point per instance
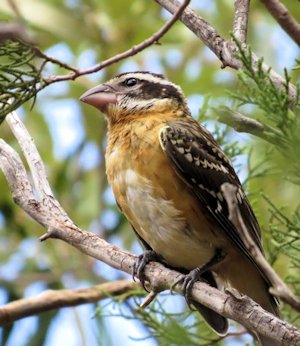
(166, 172)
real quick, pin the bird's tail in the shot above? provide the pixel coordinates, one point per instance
(217, 322)
(244, 276)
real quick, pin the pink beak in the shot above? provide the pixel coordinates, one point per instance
(100, 97)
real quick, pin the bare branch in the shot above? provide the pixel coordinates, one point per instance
(240, 24)
(224, 50)
(130, 52)
(239, 308)
(284, 18)
(15, 173)
(241, 123)
(48, 58)
(149, 299)
(31, 154)
(279, 288)
(23, 192)
(51, 300)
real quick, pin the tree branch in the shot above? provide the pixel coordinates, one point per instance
(284, 18)
(240, 24)
(50, 214)
(278, 288)
(223, 49)
(241, 123)
(31, 154)
(51, 300)
(130, 52)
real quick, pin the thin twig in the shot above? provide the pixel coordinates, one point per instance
(240, 23)
(48, 58)
(278, 288)
(54, 299)
(281, 14)
(50, 214)
(154, 39)
(149, 299)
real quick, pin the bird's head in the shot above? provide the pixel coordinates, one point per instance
(135, 94)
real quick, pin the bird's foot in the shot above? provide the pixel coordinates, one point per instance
(140, 264)
(187, 281)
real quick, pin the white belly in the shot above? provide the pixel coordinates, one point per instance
(162, 226)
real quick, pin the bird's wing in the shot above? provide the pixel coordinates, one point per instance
(202, 165)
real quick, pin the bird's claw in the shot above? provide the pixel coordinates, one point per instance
(187, 281)
(140, 264)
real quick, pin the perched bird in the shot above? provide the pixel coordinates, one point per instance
(166, 172)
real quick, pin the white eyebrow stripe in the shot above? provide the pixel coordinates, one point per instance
(149, 77)
(145, 76)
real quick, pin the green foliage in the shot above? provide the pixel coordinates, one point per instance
(260, 90)
(297, 66)
(276, 165)
(285, 232)
(231, 148)
(182, 328)
(19, 76)
(279, 115)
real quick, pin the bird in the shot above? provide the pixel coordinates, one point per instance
(166, 171)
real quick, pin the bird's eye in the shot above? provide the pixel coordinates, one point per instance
(130, 82)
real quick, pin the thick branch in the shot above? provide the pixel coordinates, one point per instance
(278, 288)
(22, 190)
(224, 50)
(51, 300)
(284, 18)
(240, 24)
(50, 214)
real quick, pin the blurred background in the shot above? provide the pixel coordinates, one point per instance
(71, 139)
